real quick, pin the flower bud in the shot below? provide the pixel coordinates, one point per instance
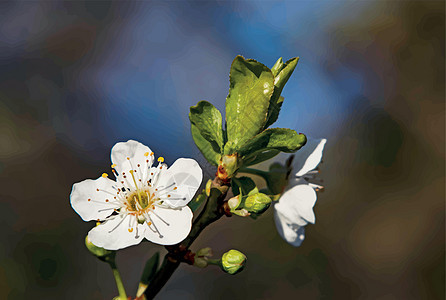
(200, 262)
(233, 262)
(228, 166)
(99, 252)
(257, 203)
(201, 258)
(207, 252)
(234, 202)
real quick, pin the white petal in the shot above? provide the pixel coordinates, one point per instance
(309, 156)
(155, 173)
(296, 204)
(94, 208)
(180, 223)
(186, 175)
(294, 235)
(114, 234)
(128, 155)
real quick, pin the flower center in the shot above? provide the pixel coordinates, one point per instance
(140, 199)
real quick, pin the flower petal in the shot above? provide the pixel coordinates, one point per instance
(179, 224)
(309, 157)
(114, 234)
(128, 155)
(93, 199)
(155, 173)
(294, 235)
(185, 175)
(296, 204)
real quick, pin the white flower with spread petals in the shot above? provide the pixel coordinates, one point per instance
(144, 202)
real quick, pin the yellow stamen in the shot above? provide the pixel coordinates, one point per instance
(113, 165)
(146, 154)
(161, 159)
(130, 229)
(104, 175)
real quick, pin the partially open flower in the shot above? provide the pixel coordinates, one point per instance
(295, 207)
(298, 186)
(144, 201)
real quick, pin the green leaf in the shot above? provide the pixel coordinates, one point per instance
(250, 90)
(210, 150)
(282, 72)
(209, 122)
(285, 73)
(278, 66)
(244, 183)
(282, 139)
(195, 203)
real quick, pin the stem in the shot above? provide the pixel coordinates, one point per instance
(210, 213)
(215, 262)
(119, 285)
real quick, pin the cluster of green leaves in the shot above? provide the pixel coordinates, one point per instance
(252, 106)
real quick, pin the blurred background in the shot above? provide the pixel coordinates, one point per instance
(77, 77)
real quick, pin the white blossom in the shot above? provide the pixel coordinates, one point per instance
(294, 209)
(144, 201)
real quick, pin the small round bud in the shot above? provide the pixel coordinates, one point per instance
(233, 262)
(206, 252)
(200, 262)
(97, 251)
(234, 202)
(257, 203)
